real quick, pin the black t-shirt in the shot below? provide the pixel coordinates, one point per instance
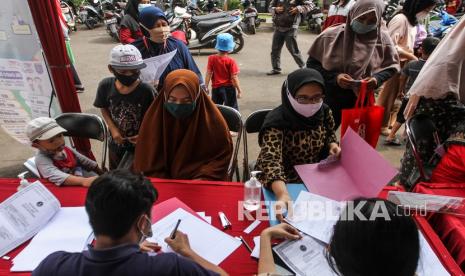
(127, 110)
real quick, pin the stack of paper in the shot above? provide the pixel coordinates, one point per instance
(207, 241)
(23, 214)
(69, 231)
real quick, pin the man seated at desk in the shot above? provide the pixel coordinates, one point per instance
(119, 207)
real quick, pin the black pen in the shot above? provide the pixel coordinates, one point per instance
(245, 243)
(173, 234)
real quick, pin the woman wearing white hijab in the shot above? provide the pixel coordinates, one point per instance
(439, 91)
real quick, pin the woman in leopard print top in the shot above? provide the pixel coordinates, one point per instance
(300, 131)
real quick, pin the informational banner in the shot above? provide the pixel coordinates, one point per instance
(25, 85)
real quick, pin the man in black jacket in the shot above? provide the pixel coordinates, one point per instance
(287, 15)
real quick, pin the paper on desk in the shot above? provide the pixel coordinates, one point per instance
(256, 250)
(361, 172)
(315, 215)
(429, 264)
(69, 231)
(23, 214)
(304, 256)
(155, 67)
(207, 241)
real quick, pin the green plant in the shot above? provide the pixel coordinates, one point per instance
(234, 4)
(77, 3)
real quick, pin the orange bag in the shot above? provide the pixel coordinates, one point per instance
(365, 118)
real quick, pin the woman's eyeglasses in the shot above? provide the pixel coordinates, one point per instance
(310, 100)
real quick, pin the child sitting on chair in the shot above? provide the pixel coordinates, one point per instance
(55, 161)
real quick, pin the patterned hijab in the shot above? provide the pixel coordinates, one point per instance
(340, 49)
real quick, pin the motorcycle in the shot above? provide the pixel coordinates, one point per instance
(91, 14)
(202, 30)
(315, 20)
(69, 15)
(178, 19)
(250, 20)
(112, 20)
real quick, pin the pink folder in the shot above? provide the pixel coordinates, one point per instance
(166, 207)
(361, 172)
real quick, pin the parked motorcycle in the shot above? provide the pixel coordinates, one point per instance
(250, 20)
(112, 20)
(91, 14)
(69, 15)
(315, 20)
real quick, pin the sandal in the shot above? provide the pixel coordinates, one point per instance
(392, 142)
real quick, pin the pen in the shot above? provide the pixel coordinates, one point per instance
(173, 234)
(246, 244)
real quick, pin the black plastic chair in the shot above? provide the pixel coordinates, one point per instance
(252, 124)
(424, 139)
(234, 121)
(84, 125)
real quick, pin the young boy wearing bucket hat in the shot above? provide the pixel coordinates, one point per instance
(223, 71)
(55, 161)
(123, 100)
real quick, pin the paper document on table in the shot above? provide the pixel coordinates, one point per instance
(361, 172)
(24, 214)
(155, 67)
(315, 215)
(207, 241)
(68, 231)
(305, 256)
(256, 250)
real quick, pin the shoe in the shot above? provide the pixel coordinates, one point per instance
(273, 72)
(385, 131)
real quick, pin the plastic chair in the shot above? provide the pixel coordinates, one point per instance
(423, 138)
(252, 124)
(84, 125)
(234, 121)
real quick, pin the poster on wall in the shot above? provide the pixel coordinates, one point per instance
(25, 85)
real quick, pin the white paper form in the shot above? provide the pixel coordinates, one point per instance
(68, 231)
(207, 241)
(155, 67)
(23, 214)
(429, 264)
(305, 256)
(315, 215)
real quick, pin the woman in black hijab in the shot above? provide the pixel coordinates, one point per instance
(299, 131)
(129, 28)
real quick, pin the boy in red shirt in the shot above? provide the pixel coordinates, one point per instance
(223, 71)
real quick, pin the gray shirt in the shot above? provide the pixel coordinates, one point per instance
(49, 171)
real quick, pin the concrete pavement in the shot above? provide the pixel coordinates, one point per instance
(92, 47)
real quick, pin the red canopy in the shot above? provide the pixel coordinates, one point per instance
(46, 15)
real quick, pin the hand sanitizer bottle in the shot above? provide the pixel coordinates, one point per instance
(252, 192)
(23, 183)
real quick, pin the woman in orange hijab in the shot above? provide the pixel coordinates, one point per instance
(183, 134)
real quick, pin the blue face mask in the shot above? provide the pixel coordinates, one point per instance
(361, 28)
(180, 111)
(140, 7)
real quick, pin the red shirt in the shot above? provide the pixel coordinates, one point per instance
(223, 68)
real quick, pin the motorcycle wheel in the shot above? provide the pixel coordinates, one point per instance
(318, 29)
(252, 29)
(239, 40)
(89, 24)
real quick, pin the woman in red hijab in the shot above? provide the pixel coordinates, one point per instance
(183, 134)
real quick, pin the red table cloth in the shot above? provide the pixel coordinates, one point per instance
(211, 197)
(450, 229)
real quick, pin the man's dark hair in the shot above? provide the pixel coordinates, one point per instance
(429, 44)
(384, 246)
(116, 199)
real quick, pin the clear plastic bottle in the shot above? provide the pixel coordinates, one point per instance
(23, 183)
(252, 192)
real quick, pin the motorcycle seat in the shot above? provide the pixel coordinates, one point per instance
(208, 25)
(199, 18)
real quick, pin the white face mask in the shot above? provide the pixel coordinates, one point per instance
(140, 7)
(306, 110)
(422, 15)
